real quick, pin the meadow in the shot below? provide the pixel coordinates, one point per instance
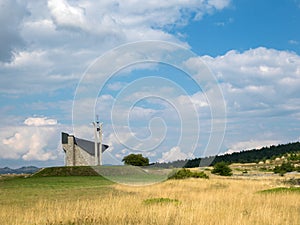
(95, 200)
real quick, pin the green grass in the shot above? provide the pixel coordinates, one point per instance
(21, 190)
(282, 190)
(66, 171)
(120, 174)
(160, 201)
(71, 183)
(133, 175)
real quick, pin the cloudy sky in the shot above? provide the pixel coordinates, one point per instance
(173, 79)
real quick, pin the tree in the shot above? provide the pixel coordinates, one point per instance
(135, 160)
(222, 169)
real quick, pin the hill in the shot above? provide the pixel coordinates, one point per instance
(66, 171)
(22, 170)
(244, 156)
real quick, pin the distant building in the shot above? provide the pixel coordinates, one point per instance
(79, 152)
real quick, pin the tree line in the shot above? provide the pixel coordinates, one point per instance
(244, 156)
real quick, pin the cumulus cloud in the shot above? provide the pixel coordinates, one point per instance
(249, 145)
(34, 141)
(65, 15)
(175, 154)
(121, 16)
(257, 79)
(63, 37)
(120, 21)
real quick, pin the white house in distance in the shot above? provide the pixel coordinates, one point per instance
(81, 152)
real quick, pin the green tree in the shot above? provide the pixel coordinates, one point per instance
(222, 169)
(135, 160)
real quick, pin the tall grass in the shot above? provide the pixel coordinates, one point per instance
(209, 201)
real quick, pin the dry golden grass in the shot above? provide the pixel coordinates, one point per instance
(214, 201)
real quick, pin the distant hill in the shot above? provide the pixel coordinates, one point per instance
(22, 170)
(245, 156)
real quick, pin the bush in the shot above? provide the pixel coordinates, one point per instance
(200, 175)
(222, 169)
(136, 160)
(294, 156)
(161, 201)
(186, 173)
(284, 168)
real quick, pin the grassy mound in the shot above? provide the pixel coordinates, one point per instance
(119, 174)
(66, 171)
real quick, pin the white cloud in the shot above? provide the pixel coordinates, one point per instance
(63, 37)
(39, 121)
(29, 59)
(130, 20)
(249, 145)
(219, 4)
(71, 34)
(65, 15)
(116, 86)
(37, 140)
(175, 154)
(256, 78)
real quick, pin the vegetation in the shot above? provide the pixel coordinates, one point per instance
(161, 201)
(222, 169)
(124, 174)
(135, 160)
(93, 200)
(284, 168)
(294, 157)
(245, 156)
(186, 173)
(66, 171)
(292, 181)
(282, 189)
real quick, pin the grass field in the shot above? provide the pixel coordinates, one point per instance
(95, 200)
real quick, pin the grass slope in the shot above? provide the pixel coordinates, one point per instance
(66, 171)
(120, 174)
(22, 191)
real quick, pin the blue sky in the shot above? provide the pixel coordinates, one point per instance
(47, 50)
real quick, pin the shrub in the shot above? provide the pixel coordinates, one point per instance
(222, 169)
(294, 156)
(135, 160)
(200, 175)
(186, 173)
(284, 168)
(160, 201)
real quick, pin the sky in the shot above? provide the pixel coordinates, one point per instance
(169, 79)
